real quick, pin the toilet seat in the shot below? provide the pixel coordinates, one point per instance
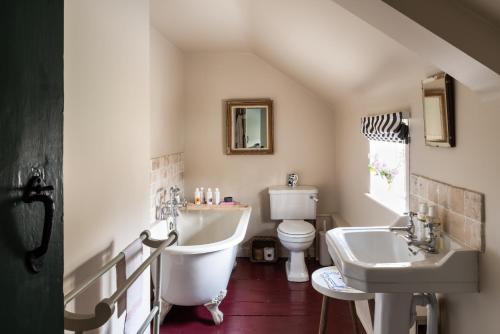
(296, 228)
(296, 238)
(296, 231)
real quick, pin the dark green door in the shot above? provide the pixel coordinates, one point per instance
(31, 137)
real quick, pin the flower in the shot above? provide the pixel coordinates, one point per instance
(377, 167)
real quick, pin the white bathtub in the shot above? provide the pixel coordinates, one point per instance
(196, 270)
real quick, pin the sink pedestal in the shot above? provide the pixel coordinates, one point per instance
(392, 313)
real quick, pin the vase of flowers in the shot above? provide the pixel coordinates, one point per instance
(380, 168)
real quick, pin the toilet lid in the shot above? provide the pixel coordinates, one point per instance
(296, 227)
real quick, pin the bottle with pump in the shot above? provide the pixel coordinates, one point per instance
(217, 196)
(209, 196)
(197, 196)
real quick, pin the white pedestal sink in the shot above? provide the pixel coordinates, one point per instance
(377, 260)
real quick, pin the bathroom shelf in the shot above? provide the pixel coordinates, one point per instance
(259, 242)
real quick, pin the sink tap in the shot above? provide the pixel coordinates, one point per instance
(428, 244)
(409, 228)
(431, 240)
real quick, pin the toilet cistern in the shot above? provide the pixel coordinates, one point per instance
(292, 206)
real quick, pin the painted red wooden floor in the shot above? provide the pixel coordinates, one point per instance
(261, 300)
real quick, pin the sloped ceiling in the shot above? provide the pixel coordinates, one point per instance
(316, 42)
(200, 25)
(452, 35)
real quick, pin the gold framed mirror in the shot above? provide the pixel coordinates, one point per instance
(249, 126)
(439, 111)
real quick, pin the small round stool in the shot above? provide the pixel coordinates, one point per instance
(319, 284)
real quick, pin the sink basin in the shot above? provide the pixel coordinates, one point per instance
(378, 260)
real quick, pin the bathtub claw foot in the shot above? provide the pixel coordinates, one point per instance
(213, 307)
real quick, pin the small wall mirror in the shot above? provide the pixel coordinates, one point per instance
(249, 127)
(439, 113)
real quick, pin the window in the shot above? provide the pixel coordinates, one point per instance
(388, 168)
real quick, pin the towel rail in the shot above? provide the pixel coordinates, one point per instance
(154, 311)
(105, 308)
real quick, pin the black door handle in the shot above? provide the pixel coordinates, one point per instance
(35, 191)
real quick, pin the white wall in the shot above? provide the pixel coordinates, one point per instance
(303, 127)
(167, 94)
(352, 148)
(473, 164)
(106, 136)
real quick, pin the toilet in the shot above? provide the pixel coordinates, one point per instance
(292, 206)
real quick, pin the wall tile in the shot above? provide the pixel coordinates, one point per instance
(432, 191)
(473, 205)
(413, 184)
(474, 233)
(166, 171)
(413, 203)
(155, 164)
(456, 200)
(443, 215)
(422, 184)
(455, 226)
(460, 211)
(443, 194)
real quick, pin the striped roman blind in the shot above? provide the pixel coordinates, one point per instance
(387, 127)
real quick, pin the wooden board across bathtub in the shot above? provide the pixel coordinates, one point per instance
(192, 206)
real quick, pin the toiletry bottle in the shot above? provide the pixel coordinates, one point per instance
(217, 196)
(202, 195)
(197, 196)
(209, 196)
(434, 220)
(429, 219)
(421, 218)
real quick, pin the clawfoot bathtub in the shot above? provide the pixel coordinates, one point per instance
(196, 270)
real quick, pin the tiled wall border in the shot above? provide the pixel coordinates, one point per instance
(460, 210)
(166, 171)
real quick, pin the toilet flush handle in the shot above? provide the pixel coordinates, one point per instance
(314, 198)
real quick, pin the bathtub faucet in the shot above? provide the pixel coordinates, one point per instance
(175, 202)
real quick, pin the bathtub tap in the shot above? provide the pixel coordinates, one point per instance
(175, 202)
(170, 209)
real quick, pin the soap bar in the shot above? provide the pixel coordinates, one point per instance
(228, 199)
